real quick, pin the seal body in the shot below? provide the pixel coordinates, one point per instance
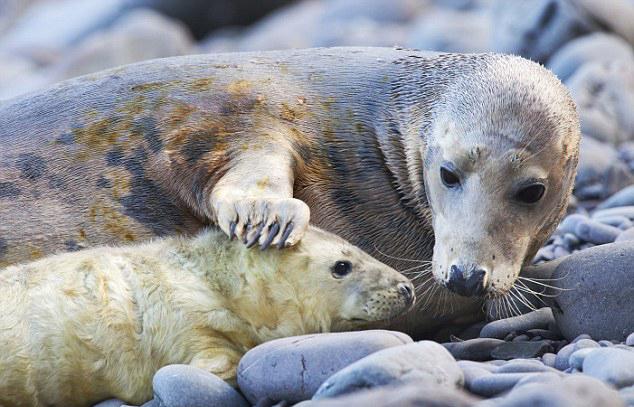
(353, 139)
(78, 328)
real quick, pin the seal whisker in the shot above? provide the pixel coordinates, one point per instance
(545, 285)
(519, 297)
(396, 257)
(523, 287)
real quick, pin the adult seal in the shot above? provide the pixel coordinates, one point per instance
(466, 160)
(78, 328)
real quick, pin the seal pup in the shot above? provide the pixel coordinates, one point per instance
(78, 328)
(466, 160)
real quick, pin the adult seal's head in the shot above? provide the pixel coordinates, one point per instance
(333, 283)
(497, 153)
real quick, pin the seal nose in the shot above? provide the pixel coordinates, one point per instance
(406, 291)
(469, 286)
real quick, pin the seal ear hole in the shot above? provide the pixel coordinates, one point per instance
(449, 178)
(531, 194)
(341, 268)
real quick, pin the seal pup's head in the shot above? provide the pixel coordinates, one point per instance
(325, 284)
(499, 153)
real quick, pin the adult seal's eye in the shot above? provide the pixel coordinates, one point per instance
(341, 269)
(449, 178)
(531, 194)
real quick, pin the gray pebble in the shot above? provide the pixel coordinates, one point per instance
(523, 350)
(473, 373)
(629, 341)
(549, 359)
(575, 360)
(592, 302)
(409, 395)
(580, 337)
(560, 251)
(521, 338)
(589, 48)
(569, 223)
(495, 384)
(616, 221)
(611, 365)
(466, 364)
(110, 403)
(525, 365)
(293, 368)
(626, 235)
(544, 377)
(473, 349)
(424, 361)
(581, 343)
(627, 394)
(605, 344)
(188, 386)
(596, 232)
(568, 391)
(544, 333)
(561, 360)
(625, 211)
(539, 319)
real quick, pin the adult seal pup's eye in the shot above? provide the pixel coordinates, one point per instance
(341, 268)
(531, 194)
(449, 178)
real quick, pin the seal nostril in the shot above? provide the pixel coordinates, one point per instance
(475, 283)
(406, 291)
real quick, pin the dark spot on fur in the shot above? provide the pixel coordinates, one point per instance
(4, 247)
(31, 166)
(72, 245)
(114, 157)
(103, 182)
(198, 144)
(147, 127)
(66, 139)
(8, 190)
(56, 182)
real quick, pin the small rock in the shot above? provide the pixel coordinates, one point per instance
(544, 377)
(605, 344)
(188, 386)
(563, 357)
(494, 384)
(629, 341)
(592, 302)
(625, 211)
(627, 394)
(581, 343)
(473, 373)
(474, 349)
(611, 365)
(524, 366)
(596, 232)
(544, 333)
(575, 360)
(624, 197)
(569, 223)
(615, 221)
(627, 235)
(410, 395)
(110, 403)
(521, 338)
(539, 319)
(423, 361)
(549, 359)
(595, 47)
(523, 350)
(293, 368)
(535, 29)
(576, 390)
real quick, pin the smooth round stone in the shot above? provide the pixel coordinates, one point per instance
(560, 251)
(581, 343)
(596, 232)
(292, 369)
(575, 360)
(424, 361)
(563, 357)
(524, 366)
(188, 386)
(624, 197)
(627, 394)
(473, 349)
(604, 94)
(110, 403)
(544, 333)
(539, 319)
(494, 384)
(629, 341)
(569, 223)
(625, 211)
(568, 391)
(451, 31)
(521, 338)
(549, 359)
(409, 395)
(534, 29)
(522, 350)
(615, 221)
(625, 236)
(600, 173)
(593, 302)
(611, 365)
(467, 364)
(473, 373)
(544, 377)
(571, 241)
(595, 47)
(605, 344)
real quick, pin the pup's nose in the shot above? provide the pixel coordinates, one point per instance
(466, 283)
(407, 292)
